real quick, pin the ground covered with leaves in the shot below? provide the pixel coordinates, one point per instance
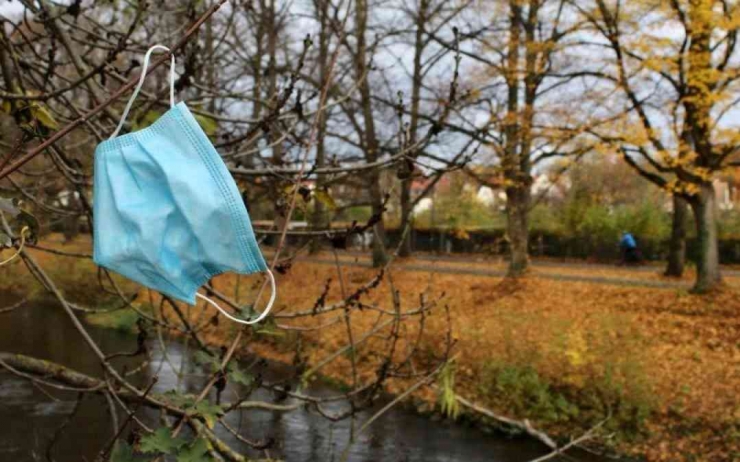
(662, 364)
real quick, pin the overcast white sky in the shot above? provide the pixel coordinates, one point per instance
(390, 56)
(10, 9)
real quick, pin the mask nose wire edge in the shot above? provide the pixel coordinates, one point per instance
(262, 315)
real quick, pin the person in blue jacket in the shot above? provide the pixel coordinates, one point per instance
(630, 252)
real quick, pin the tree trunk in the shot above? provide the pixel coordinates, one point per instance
(407, 167)
(515, 160)
(707, 261)
(517, 221)
(272, 75)
(380, 257)
(319, 217)
(677, 246)
(370, 142)
(405, 249)
(210, 65)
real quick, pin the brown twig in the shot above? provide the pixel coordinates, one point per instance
(64, 131)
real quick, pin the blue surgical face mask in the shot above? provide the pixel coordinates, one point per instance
(167, 212)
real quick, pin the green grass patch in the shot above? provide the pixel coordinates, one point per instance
(123, 320)
(524, 392)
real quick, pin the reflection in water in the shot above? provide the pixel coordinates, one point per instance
(29, 417)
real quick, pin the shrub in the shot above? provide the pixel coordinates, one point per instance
(729, 224)
(525, 392)
(522, 391)
(459, 211)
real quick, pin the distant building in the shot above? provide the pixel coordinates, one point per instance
(486, 195)
(423, 205)
(484, 183)
(422, 185)
(727, 193)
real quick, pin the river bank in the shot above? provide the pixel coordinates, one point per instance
(41, 330)
(663, 364)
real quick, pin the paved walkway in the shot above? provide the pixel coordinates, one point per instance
(363, 260)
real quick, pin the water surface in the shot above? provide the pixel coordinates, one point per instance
(30, 417)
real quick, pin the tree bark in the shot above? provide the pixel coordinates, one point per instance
(408, 170)
(405, 249)
(380, 257)
(370, 141)
(6, 66)
(210, 65)
(319, 218)
(272, 76)
(677, 245)
(515, 159)
(704, 205)
(518, 199)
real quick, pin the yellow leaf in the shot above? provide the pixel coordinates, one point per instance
(208, 124)
(142, 122)
(44, 117)
(576, 348)
(325, 198)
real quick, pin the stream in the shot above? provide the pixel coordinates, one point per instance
(29, 417)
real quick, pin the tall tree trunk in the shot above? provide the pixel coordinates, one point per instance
(256, 65)
(257, 87)
(407, 167)
(319, 216)
(707, 261)
(272, 75)
(517, 190)
(281, 204)
(370, 141)
(677, 245)
(519, 195)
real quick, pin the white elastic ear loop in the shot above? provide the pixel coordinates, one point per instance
(242, 321)
(144, 67)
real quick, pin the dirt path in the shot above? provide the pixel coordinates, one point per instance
(641, 276)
